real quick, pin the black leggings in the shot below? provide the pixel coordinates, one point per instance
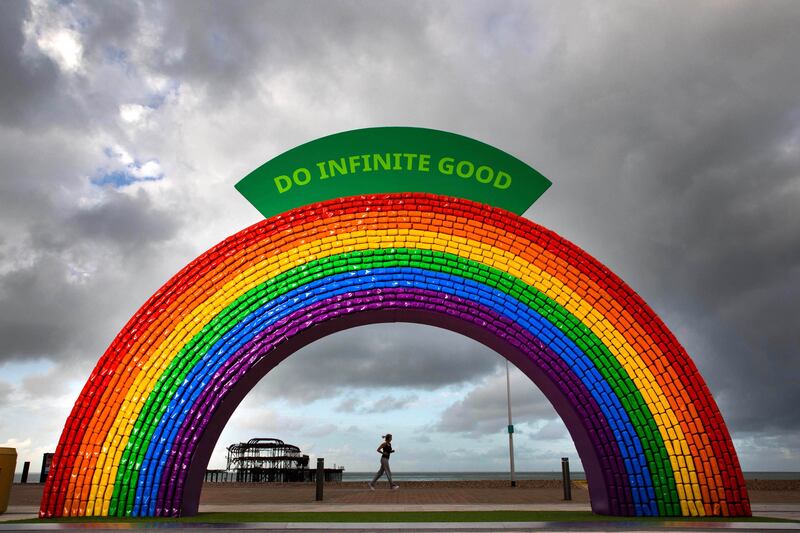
(384, 468)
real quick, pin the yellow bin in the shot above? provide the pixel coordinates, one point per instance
(8, 463)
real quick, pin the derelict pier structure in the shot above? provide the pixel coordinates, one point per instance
(268, 460)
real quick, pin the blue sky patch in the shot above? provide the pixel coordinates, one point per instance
(121, 178)
(124, 170)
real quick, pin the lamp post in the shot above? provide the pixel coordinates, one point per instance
(510, 427)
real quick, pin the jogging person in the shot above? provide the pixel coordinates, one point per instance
(385, 449)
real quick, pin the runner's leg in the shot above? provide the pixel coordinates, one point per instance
(379, 474)
(385, 466)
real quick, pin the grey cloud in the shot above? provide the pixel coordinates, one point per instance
(484, 410)
(382, 405)
(37, 96)
(52, 304)
(48, 384)
(6, 390)
(348, 405)
(422, 439)
(227, 50)
(74, 259)
(38, 309)
(390, 403)
(675, 160)
(385, 355)
(24, 85)
(45, 315)
(124, 219)
(769, 452)
(709, 197)
(114, 26)
(553, 429)
(670, 132)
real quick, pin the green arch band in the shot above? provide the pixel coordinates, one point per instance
(391, 160)
(608, 366)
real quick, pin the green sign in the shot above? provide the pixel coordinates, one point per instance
(388, 160)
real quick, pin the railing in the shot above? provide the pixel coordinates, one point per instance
(267, 475)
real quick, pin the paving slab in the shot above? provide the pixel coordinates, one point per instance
(20, 512)
(786, 511)
(421, 527)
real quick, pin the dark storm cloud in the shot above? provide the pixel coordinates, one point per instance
(67, 269)
(124, 219)
(24, 85)
(379, 356)
(671, 132)
(74, 258)
(113, 27)
(227, 49)
(682, 159)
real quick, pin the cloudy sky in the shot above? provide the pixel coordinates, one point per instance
(670, 130)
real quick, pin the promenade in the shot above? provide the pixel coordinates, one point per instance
(416, 497)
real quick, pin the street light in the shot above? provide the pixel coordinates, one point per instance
(510, 427)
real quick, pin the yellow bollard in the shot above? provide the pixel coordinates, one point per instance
(8, 463)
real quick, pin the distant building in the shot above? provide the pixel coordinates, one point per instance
(266, 460)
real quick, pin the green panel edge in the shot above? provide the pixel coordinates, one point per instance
(354, 163)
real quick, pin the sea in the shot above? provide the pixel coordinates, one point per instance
(399, 475)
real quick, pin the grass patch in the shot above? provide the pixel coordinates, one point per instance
(398, 516)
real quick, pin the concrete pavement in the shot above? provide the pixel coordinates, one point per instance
(788, 511)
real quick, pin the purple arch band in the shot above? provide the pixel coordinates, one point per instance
(575, 405)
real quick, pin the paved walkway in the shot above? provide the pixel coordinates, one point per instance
(423, 527)
(784, 510)
(412, 497)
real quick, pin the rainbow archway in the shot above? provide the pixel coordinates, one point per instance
(649, 434)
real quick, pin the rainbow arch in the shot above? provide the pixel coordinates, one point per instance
(650, 436)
